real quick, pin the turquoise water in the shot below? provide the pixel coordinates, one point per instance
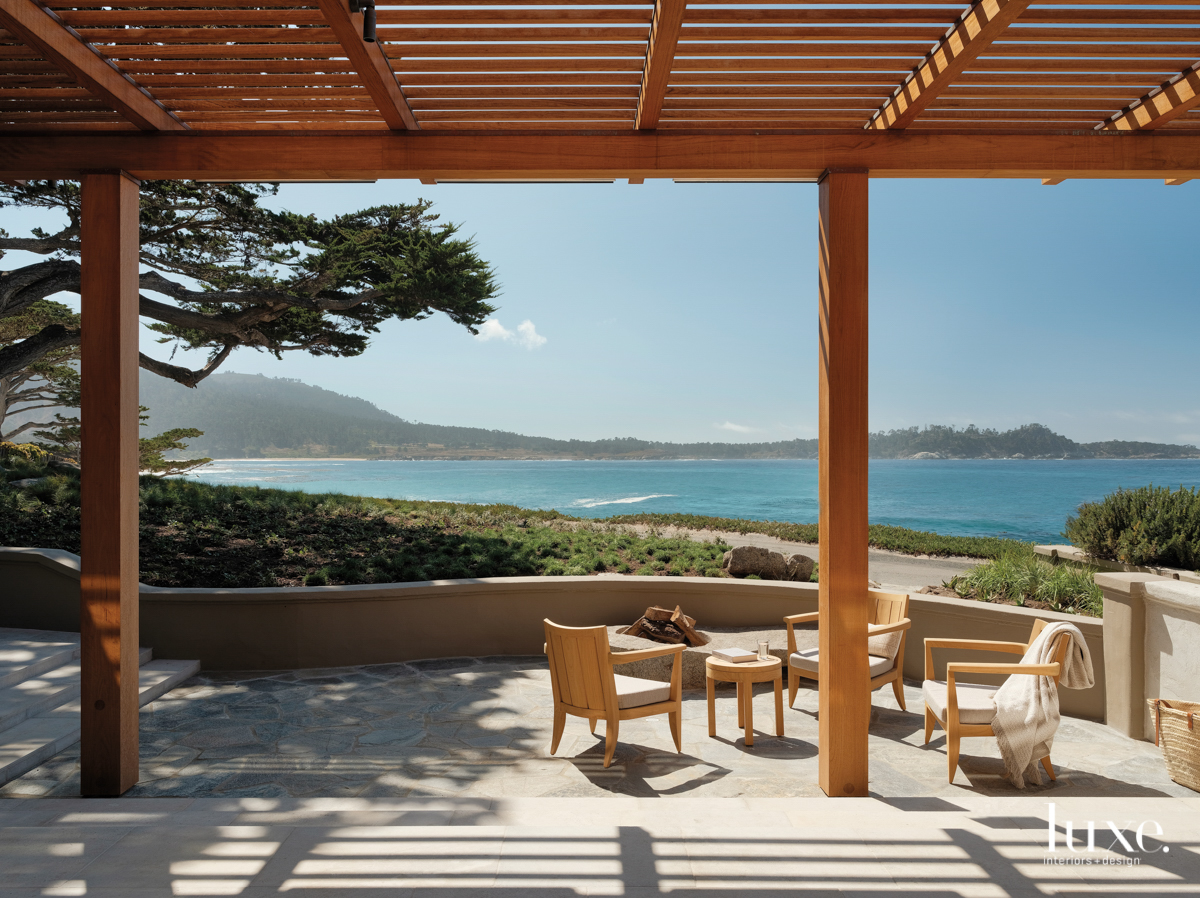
(1027, 500)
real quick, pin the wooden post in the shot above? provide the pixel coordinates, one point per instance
(109, 488)
(844, 690)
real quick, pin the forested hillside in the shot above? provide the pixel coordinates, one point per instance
(1028, 441)
(249, 415)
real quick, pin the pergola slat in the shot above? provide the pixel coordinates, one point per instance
(203, 36)
(1161, 106)
(40, 29)
(975, 30)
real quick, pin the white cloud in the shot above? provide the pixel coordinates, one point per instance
(525, 335)
(528, 336)
(736, 428)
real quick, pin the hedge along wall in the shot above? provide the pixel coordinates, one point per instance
(334, 626)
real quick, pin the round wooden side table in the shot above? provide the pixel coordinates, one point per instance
(745, 676)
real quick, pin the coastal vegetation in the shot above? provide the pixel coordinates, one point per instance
(195, 534)
(251, 416)
(1145, 526)
(1019, 577)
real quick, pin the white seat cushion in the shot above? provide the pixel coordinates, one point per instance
(633, 692)
(809, 660)
(976, 704)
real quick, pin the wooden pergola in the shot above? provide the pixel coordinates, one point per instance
(524, 90)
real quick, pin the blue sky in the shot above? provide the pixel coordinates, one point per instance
(687, 312)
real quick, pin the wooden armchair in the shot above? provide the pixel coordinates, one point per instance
(585, 684)
(967, 709)
(889, 615)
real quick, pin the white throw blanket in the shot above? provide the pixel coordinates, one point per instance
(1027, 707)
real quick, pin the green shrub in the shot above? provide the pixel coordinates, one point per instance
(1019, 576)
(1145, 526)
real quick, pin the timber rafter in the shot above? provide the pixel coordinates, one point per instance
(1162, 105)
(42, 30)
(371, 65)
(970, 36)
(660, 57)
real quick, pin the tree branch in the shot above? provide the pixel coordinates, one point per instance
(43, 246)
(152, 280)
(22, 288)
(28, 425)
(185, 376)
(217, 325)
(21, 355)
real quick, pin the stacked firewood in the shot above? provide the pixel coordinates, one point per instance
(664, 625)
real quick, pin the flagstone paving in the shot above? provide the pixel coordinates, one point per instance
(480, 728)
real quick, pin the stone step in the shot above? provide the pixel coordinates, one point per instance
(45, 691)
(37, 739)
(28, 653)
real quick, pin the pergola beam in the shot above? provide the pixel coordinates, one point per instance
(970, 36)
(371, 63)
(660, 57)
(1161, 105)
(45, 33)
(372, 155)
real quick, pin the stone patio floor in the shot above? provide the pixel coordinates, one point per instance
(432, 778)
(481, 729)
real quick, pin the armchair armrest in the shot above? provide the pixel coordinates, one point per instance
(642, 654)
(980, 645)
(791, 620)
(616, 658)
(1040, 670)
(802, 618)
(903, 624)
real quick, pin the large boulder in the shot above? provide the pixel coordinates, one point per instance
(742, 561)
(800, 568)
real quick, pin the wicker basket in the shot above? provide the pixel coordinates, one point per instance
(1177, 730)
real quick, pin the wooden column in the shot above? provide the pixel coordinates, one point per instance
(844, 692)
(109, 489)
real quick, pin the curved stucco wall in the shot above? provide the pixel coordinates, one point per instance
(334, 626)
(1172, 641)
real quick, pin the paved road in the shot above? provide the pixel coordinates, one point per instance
(888, 568)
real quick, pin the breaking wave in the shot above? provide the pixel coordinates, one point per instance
(596, 503)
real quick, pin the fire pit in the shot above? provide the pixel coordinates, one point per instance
(664, 625)
(629, 639)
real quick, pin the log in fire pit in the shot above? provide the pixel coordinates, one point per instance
(664, 625)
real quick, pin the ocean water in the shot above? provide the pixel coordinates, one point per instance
(1020, 499)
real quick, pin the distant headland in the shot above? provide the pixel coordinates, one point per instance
(252, 416)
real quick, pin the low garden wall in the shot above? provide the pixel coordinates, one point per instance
(333, 626)
(1055, 554)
